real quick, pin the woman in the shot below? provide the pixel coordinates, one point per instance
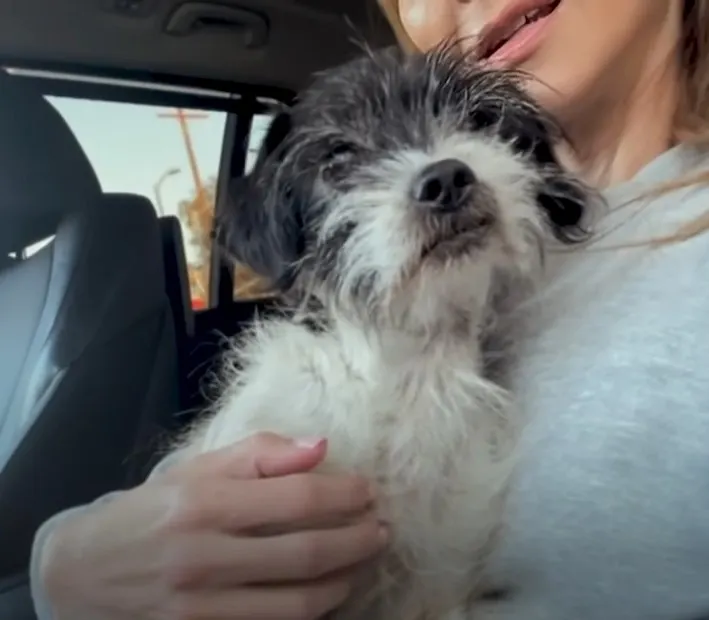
(608, 519)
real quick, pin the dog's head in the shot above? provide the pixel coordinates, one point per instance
(405, 186)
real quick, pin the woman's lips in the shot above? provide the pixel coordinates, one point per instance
(524, 42)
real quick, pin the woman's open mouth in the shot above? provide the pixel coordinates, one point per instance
(516, 32)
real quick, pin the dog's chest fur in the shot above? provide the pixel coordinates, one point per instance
(414, 415)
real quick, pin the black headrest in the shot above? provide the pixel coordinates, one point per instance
(44, 172)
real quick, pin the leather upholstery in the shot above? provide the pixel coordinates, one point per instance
(87, 354)
(178, 291)
(176, 274)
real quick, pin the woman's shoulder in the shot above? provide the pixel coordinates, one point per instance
(643, 270)
(666, 203)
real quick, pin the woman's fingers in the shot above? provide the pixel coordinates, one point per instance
(184, 545)
(217, 561)
(238, 506)
(263, 455)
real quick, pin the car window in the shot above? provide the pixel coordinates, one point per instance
(164, 154)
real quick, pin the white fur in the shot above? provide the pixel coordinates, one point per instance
(402, 401)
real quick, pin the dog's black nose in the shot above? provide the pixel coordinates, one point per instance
(444, 185)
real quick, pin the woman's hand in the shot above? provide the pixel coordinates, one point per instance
(178, 547)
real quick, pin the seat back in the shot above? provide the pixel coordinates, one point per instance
(176, 274)
(178, 291)
(89, 354)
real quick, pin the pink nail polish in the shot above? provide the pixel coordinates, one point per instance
(309, 442)
(383, 534)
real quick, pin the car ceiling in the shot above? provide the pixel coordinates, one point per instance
(303, 36)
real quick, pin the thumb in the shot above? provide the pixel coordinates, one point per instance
(263, 455)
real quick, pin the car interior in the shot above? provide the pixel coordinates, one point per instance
(104, 352)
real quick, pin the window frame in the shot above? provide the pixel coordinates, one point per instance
(240, 102)
(232, 164)
(74, 73)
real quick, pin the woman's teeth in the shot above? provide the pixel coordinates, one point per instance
(529, 18)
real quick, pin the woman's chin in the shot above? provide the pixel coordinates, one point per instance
(551, 90)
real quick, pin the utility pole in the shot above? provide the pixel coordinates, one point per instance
(203, 209)
(183, 118)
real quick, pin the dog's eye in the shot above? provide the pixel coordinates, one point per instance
(484, 117)
(335, 164)
(339, 152)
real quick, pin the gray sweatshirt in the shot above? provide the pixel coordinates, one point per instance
(608, 518)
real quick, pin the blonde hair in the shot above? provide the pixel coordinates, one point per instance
(691, 124)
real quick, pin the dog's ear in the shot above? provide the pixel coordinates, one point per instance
(261, 226)
(566, 202)
(275, 138)
(263, 230)
(531, 132)
(565, 199)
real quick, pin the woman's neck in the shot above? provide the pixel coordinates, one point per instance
(615, 153)
(616, 135)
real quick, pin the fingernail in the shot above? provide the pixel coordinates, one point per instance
(383, 534)
(308, 442)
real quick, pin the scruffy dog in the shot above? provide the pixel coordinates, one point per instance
(404, 214)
